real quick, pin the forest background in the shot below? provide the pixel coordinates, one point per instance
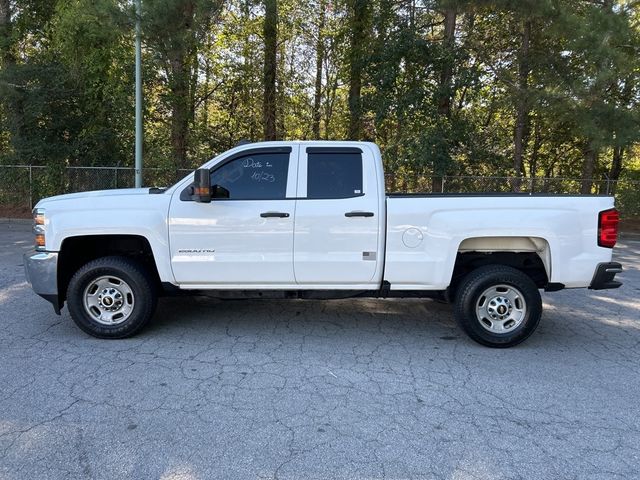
(518, 88)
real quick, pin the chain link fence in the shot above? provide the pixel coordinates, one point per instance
(21, 186)
(626, 192)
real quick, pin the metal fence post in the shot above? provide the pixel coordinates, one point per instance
(30, 188)
(444, 179)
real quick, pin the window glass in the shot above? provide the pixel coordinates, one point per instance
(334, 175)
(260, 176)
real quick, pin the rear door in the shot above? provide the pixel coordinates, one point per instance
(337, 224)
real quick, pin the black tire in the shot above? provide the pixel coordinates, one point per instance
(470, 299)
(141, 288)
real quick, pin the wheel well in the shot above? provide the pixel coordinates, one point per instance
(77, 251)
(528, 263)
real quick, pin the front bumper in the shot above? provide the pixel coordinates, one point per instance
(604, 276)
(41, 270)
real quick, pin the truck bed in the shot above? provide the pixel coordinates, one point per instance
(425, 233)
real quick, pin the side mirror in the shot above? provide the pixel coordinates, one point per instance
(202, 186)
(219, 192)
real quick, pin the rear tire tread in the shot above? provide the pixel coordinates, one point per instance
(475, 283)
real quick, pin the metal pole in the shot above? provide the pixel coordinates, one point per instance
(139, 133)
(30, 188)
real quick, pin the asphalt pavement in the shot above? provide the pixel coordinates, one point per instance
(344, 389)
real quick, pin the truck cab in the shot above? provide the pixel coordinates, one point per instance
(296, 216)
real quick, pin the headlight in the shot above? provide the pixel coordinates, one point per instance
(38, 228)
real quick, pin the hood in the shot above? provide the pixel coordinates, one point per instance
(98, 193)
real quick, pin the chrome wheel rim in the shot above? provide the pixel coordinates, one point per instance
(501, 309)
(109, 300)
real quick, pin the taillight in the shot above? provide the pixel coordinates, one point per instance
(608, 228)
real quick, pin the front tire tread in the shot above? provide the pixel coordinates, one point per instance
(130, 270)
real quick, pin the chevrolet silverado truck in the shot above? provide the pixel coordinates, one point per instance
(312, 220)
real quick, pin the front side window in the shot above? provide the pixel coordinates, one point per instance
(336, 174)
(259, 176)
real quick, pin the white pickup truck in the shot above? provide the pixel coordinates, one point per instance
(312, 220)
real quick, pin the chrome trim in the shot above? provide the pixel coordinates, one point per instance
(501, 309)
(109, 300)
(41, 270)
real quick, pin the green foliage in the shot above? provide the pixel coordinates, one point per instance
(436, 107)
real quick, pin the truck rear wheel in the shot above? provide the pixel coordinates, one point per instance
(111, 297)
(498, 306)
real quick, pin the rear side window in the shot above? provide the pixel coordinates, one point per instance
(336, 174)
(260, 176)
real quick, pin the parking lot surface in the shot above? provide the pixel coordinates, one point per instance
(362, 389)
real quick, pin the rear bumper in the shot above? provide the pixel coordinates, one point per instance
(41, 270)
(604, 275)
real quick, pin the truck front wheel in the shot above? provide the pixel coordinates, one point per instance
(498, 306)
(111, 297)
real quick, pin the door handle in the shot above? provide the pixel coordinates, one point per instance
(358, 214)
(274, 215)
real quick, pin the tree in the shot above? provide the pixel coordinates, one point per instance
(270, 30)
(320, 58)
(489, 87)
(445, 90)
(175, 30)
(358, 25)
(598, 57)
(6, 55)
(523, 107)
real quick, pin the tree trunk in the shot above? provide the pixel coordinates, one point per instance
(317, 97)
(616, 169)
(207, 77)
(358, 33)
(535, 153)
(179, 87)
(5, 33)
(180, 65)
(521, 130)
(446, 74)
(270, 31)
(588, 168)
(619, 151)
(14, 104)
(592, 149)
(445, 87)
(330, 95)
(616, 163)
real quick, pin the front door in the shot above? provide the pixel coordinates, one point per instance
(247, 239)
(336, 240)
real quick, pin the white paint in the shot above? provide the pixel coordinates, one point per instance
(412, 237)
(226, 244)
(329, 247)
